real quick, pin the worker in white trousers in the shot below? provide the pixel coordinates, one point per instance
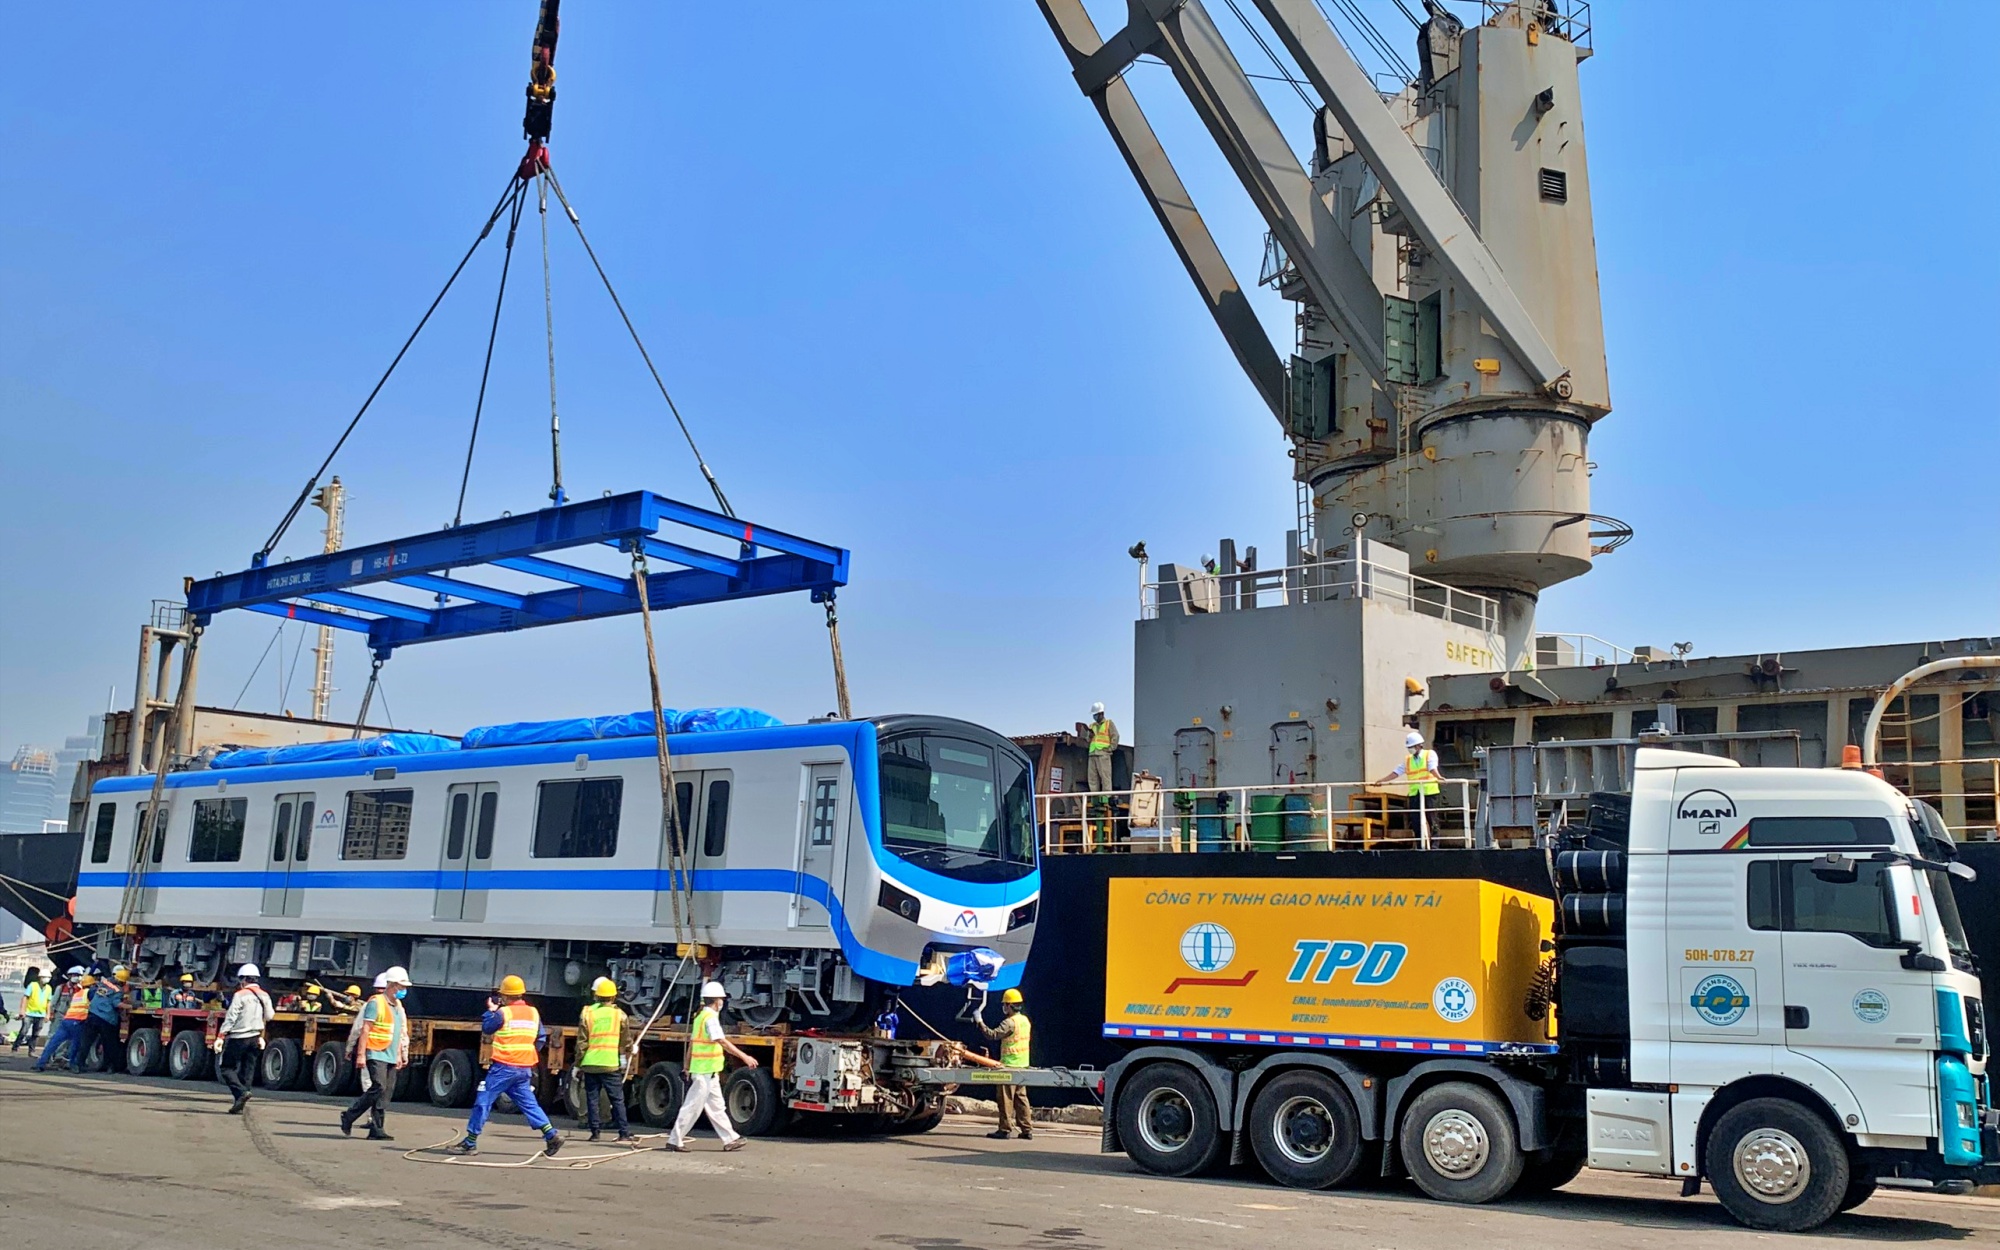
(705, 1048)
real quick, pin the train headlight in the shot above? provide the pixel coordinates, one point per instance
(902, 902)
(1022, 915)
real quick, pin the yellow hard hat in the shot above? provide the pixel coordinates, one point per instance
(604, 987)
(1011, 996)
(353, 990)
(313, 990)
(122, 973)
(87, 980)
(187, 978)
(511, 984)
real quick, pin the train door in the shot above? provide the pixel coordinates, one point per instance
(821, 812)
(291, 842)
(471, 811)
(701, 829)
(711, 842)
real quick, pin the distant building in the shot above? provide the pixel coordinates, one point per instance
(75, 750)
(28, 791)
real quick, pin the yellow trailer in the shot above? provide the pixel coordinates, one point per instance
(1384, 965)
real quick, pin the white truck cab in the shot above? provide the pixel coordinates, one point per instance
(1805, 1013)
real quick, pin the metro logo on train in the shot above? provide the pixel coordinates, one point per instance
(1390, 964)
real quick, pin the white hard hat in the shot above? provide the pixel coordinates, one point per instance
(1413, 739)
(1095, 708)
(713, 989)
(382, 981)
(397, 975)
(248, 970)
(75, 970)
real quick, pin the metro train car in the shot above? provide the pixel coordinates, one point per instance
(827, 859)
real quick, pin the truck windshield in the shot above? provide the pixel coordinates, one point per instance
(1934, 842)
(957, 806)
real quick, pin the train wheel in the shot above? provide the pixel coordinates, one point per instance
(145, 1053)
(452, 1078)
(1167, 1120)
(752, 1098)
(188, 1059)
(1304, 1130)
(661, 1090)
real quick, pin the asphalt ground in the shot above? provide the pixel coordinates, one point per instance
(128, 1162)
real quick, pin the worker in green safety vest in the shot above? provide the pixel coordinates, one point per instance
(1102, 736)
(705, 1048)
(1014, 1032)
(1419, 771)
(601, 1047)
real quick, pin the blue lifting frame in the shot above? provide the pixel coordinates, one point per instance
(768, 562)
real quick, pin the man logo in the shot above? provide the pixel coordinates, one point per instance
(967, 919)
(1207, 947)
(1708, 808)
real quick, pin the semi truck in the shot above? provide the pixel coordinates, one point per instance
(1751, 978)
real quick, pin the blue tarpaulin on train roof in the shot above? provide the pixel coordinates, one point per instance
(627, 725)
(346, 749)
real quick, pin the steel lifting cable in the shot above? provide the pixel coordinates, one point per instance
(575, 222)
(271, 543)
(492, 333)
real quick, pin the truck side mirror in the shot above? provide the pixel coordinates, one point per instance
(1835, 869)
(1909, 922)
(1964, 872)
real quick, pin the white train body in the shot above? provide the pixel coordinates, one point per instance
(477, 858)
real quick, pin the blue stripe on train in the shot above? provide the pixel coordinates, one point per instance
(872, 964)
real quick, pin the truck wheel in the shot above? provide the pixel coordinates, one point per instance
(145, 1054)
(1304, 1130)
(282, 1063)
(1167, 1120)
(96, 1057)
(1776, 1166)
(451, 1078)
(333, 1076)
(1859, 1190)
(1547, 1171)
(403, 1086)
(188, 1057)
(572, 1094)
(1459, 1144)
(661, 1090)
(752, 1098)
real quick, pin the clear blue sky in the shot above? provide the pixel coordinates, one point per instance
(911, 302)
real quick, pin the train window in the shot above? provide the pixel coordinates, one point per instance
(715, 827)
(281, 832)
(578, 819)
(957, 806)
(378, 824)
(302, 828)
(454, 834)
(100, 834)
(159, 842)
(218, 831)
(683, 814)
(489, 812)
(825, 808)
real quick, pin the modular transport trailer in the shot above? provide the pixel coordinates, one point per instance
(894, 1083)
(1754, 977)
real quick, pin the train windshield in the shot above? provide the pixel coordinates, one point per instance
(957, 806)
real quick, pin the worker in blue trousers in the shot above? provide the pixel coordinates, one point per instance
(68, 1032)
(517, 1032)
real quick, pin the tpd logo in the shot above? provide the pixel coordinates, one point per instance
(1708, 809)
(1720, 1000)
